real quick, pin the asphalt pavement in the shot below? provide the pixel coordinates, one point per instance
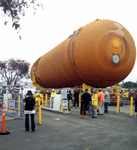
(58, 131)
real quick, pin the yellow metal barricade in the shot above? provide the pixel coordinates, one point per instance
(18, 105)
(46, 100)
(40, 120)
(79, 100)
(117, 104)
(131, 106)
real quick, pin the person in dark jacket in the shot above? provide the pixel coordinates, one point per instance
(76, 96)
(86, 98)
(29, 109)
(135, 107)
(69, 96)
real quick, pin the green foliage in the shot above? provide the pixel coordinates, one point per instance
(129, 84)
(16, 8)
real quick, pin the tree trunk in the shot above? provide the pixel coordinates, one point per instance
(8, 83)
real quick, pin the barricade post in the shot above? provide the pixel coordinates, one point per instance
(117, 104)
(3, 121)
(18, 105)
(61, 106)
(46, 100)
(79, 100)
(131, 106)
(40, 121)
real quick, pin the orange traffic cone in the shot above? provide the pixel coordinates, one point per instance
(3, 121)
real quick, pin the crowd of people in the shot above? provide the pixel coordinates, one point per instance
(97, 101)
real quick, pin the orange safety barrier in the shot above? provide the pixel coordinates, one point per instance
(3, 120)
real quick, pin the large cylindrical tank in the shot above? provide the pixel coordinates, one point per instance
(100, 54)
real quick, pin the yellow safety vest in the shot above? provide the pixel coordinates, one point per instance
(52, 94)
(95, 102)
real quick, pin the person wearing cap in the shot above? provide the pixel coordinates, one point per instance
(53, 93)
(101, 101)
(52, 96)
(29, 110)
(94, 103)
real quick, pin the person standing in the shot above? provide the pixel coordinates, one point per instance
(101, 101)
(135, 100)
(52, 97)
(29, 110)
(69, 96)
(94, 103)
(90, 107)
(76, 98)
(86, 99)
(53, 93)
(107, 100)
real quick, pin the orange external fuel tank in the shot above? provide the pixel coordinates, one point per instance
(100, 54)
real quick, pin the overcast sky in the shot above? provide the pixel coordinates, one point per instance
(58, 20)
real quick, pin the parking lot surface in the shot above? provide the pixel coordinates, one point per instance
(110, 131)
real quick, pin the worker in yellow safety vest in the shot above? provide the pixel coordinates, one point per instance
(126, 94)
(52, 94)
(38, 97)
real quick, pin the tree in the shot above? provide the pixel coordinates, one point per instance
(16, 8)
(130, 84)
(13, 70)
